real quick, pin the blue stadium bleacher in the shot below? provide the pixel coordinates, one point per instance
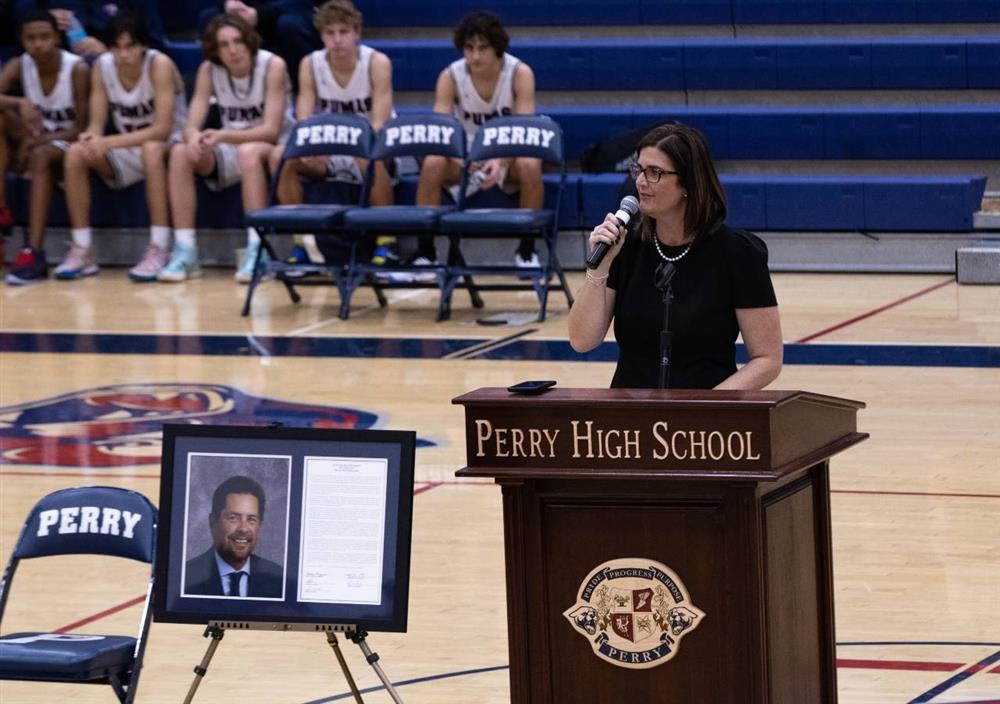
(846, 203)
(444, 13)
(803, 132)
(793, 202)
(843, 129)
(955, 63)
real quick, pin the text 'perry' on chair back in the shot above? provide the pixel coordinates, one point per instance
(533, 136)
(330, 133)
(420, 134)
(97, 520)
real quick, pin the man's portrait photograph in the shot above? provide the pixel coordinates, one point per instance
(236, 527)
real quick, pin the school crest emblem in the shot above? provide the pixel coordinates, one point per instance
(634, 612)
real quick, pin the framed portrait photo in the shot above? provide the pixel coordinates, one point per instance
(285, 525)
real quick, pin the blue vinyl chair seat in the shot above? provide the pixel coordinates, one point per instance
(492, 220)
(74, 657)
(396, 218)
(298, 218)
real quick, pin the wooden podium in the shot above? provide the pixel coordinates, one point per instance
(603, 488)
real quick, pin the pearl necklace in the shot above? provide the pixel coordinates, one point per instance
(656, 241)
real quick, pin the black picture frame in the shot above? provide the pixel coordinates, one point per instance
(195, 459)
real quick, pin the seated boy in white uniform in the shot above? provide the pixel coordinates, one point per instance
(252, 91)
(36, 129)
(143, 91)
(486, 82)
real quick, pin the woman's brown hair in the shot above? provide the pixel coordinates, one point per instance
(688, 152)
(210, 40)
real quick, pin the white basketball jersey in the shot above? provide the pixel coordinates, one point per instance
(241, 100)
(355, 97)
(470, 108)
(57, 108)
(133, 110)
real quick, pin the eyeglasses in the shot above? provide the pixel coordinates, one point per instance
(652, 174)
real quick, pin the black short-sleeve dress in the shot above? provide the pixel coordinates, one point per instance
(722, 272)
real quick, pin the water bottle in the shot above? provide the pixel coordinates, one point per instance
(75, 32)
(475, 182)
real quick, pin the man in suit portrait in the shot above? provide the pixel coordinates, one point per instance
(229, 567)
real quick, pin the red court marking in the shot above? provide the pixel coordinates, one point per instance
(915, 493)
(900, 665)
(80, 474)
(426, 487)
(876, 311)
(102, 614)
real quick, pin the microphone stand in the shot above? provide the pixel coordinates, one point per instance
(664, 273)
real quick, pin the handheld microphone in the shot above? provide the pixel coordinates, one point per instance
(626, 211)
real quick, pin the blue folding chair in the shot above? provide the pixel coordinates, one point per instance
(96, 520)
(319, 135)
(413, 135)
(532, 136)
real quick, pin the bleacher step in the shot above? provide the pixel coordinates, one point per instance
(978, 263)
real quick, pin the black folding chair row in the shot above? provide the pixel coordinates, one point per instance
(359, 223)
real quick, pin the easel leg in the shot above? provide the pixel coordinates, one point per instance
(216, 634)
(331, 638)
(358, 637)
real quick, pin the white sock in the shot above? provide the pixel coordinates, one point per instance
(82, 237)
(253, 239)
(185, 236)
(159, 236)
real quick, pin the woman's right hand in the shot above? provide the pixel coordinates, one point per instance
(610, 233)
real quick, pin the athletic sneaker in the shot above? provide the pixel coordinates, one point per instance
(28, 268)
(183, 265)
(531, 262)
(299, 255)
(78, 262)
(245, 271)
(154, 259)
(386, 254)
(424, 276)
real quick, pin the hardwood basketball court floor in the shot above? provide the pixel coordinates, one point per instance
(916, 509)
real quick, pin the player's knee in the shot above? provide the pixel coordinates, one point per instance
(274, 158)
(249, 157)
(434, 167)
(153, 150)
(528, 169)
(75, 158)
(180, 161)
(40, 159)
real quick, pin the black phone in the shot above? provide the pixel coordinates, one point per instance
(530, 388)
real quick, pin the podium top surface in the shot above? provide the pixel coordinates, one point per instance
(758, 436)
(557, 396)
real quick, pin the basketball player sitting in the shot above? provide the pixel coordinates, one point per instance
(143, 91)
(486, 82)
(35, 130)
(251, 88)
(344, 76)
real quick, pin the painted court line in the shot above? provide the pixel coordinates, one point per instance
(876, 311)
(943, 494)
(101, 614)
(85, 475)
(866, 664)
(956, 679)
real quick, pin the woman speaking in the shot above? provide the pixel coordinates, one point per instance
(721, 284)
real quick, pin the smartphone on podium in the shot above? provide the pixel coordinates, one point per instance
(530, 388)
